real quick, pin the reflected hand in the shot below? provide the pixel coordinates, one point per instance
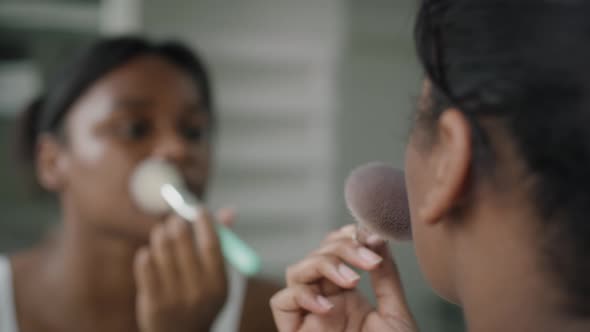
(181, 278)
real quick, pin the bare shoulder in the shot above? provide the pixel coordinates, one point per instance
(256, 314)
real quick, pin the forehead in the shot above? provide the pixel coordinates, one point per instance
(150, 79)
(150, 75)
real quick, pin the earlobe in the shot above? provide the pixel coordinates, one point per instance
(450, 166)
(50, 163)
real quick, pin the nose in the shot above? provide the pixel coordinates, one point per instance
(170, 146)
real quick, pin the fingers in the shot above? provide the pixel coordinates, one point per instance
(331, 262)
(145, 274)
(322, 266)
(352, 253)
(326, 273)
(289, 306)
(164, 258)
(388, 288)
(209, 249)
(345, 232)
(187, 256)
(181, 271)
(226, 216)
(368, 238)
(358, 233)
(189, 264)
(328, 267)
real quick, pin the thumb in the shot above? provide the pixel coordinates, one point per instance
(226, 216)
(387, 285)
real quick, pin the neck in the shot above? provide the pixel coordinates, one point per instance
(95, 267)
(87, 274)
(509, 290)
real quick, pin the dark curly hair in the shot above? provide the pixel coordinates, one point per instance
(526, 65)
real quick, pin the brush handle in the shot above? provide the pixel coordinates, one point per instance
(239, 254)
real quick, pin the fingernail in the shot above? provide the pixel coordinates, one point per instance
(231, 210)
(369, 256)
(324, 302)
(227, 213)
(227, 209)
(374, 240)
(347, 273)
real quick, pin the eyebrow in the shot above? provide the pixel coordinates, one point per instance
(138, 104)
(134, 103)
(194, 106)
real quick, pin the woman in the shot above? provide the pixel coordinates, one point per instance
(497, 176)
(111, 267)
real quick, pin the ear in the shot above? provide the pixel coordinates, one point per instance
(450, 165)
(51, 163)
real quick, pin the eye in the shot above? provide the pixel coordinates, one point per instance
(193, 133)
(134, 129)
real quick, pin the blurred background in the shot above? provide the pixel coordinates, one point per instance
(306, 91)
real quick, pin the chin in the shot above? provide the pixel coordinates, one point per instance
(443, 288)
(449, 298)
(437, 276)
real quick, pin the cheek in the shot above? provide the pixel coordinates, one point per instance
(100, 173)
(83, 139)
(100, 193)
(101, 162)
(88, 148)
(102, 179)
(415, 185)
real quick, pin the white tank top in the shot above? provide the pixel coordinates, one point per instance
(228, 319)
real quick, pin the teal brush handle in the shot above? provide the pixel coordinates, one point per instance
(237, 252)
